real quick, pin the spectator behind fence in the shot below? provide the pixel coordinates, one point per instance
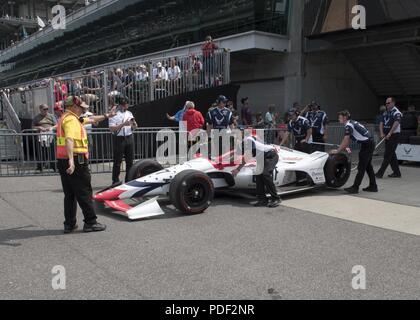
(60, 90)
(44, 123)
(246, 112)
(58, 110)
(270, 125)
(193, 117)
(174, 75)
(210, 70)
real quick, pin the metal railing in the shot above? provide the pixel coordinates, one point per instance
(140, 80)
(9, 115)
(30, 153)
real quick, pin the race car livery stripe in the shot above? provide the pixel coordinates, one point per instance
(118, 205)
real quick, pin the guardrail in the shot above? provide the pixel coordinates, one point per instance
(30, 153)
(141, 80)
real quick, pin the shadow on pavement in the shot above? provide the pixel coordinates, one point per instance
(7, 236)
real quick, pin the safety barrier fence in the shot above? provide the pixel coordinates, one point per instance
(138, 79)
(32, 153)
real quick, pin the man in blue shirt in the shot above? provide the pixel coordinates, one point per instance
(319, 122)
(300, 127)
(390, 129)
(357, 132)
(220, 118)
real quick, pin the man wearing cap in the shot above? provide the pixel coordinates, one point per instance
(220, 118)
(319, 122)
(73, 158)
(300, 127)
(122, 126)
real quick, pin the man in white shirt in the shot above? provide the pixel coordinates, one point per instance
(264, 181)
(122, 126)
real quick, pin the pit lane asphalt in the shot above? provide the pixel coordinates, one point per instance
(233, 251)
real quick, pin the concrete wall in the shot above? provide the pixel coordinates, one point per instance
(261, 77)
(335, 84)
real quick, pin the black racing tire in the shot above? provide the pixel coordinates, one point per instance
(143, 168)
(337, 171)
(191, 192)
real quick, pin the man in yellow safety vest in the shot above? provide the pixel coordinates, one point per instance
(73, 164)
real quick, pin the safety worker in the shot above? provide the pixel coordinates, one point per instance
(218, 119)
(390, 129)
(264, 181)
(319, 124)
(122, 126)
(358, 133)
(73, 165)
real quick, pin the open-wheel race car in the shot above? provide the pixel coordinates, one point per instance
(191, 186)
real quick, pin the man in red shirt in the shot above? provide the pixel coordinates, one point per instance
(210, 67)
(193, 118)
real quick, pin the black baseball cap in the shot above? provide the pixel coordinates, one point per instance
(222, 99)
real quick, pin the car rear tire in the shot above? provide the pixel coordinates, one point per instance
(143, 168)
(337, 171)
(191, 192)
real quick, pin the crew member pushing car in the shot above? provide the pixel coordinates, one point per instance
(265, 183)
(357, 132)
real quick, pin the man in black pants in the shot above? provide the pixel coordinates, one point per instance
(122, 126)
(390, 129)
(265, 183)
(357, 132)
(73, 165)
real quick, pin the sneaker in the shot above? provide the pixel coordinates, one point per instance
(97, 227)
(70, 229)
(394, 176)
(352, 190)
(371, 189)
(274, 203)
(261, 203)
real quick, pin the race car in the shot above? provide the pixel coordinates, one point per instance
(191, 186)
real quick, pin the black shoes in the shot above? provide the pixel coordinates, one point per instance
(97, 227)
(274, 203)
(269, 204)
(379, 176)
(373, 189)
(352, 190)
(261, 203)
(70, 229)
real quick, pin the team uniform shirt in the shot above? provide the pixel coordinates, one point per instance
(389, 118)
(257, 146)
(299, 128)
(318, 120)
(220, 118)
(357, 132)
(119, 119)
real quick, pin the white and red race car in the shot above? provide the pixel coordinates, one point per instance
(192, 185)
